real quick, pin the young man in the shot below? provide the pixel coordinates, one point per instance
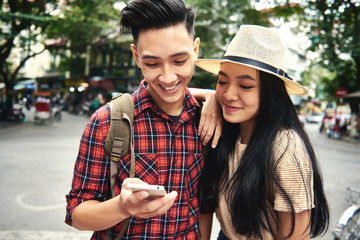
(167, 145)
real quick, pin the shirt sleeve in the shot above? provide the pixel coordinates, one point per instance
(294, 171)
(91, 173)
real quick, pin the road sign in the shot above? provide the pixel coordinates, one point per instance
(341, 92)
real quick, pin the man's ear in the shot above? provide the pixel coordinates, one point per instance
(196, 47)
(135, 54)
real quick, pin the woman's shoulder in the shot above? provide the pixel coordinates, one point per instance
(290, 149)
(285, 139)
(286, 135)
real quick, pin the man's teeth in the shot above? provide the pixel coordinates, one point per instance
(170, 88)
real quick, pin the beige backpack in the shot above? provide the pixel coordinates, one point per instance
(118, 140)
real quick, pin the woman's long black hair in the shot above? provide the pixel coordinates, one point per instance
(250, 190)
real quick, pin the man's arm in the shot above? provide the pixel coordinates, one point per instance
(96, 216)
(85, 210)
(211, 116)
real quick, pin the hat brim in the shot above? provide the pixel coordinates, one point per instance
(213, 66)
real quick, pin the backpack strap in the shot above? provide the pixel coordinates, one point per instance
(119, 136)
(118, 140)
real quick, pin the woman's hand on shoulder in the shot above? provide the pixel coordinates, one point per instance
(211, 117)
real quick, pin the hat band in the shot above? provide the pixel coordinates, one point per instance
(259, 64)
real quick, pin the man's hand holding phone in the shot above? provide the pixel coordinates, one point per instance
(140, 199)
(153, 190)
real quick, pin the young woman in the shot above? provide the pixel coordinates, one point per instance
(262, 180)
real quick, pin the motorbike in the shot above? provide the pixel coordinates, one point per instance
(333, 133)
(56, 112)
(12, 114)
(333, 130)
(348, 226)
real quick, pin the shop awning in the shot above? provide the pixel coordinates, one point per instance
(104, 83)
(25, 84)
(353, 95)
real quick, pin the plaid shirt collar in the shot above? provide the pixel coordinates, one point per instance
(143, 101)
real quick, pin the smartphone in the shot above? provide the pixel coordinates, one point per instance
(154, 190)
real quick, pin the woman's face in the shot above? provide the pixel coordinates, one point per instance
(238, 91)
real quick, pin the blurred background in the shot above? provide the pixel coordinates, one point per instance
(74, 53)
(61, 60)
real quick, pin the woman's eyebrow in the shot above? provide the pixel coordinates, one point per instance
(245, 76)
(222, 74)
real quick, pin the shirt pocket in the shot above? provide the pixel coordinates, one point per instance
(146, 168)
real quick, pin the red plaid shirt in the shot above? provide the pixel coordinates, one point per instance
(166, 154)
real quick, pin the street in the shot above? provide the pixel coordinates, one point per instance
(37, 163)
(340, 165)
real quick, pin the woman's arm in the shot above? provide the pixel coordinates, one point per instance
(205, 225)
(211, 117)
(301, 228)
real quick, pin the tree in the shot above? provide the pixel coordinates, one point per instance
(335, 33)
(216, 23)
(22, 23)
(25, 23)
(84, 24)
(322, 79)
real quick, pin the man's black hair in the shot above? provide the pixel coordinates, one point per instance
(156, 14)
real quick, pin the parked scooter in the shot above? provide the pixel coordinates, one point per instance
(56, 112)
(333, 133)
(348, 226)
(334, 130)
(12, 114)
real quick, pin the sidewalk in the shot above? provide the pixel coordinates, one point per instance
(350, 140)
(44, 235)
(6, 124)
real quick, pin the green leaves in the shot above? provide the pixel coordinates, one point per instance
(335, 34)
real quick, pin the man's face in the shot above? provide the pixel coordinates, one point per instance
(166, 57)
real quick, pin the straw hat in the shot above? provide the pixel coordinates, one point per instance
(260, 48)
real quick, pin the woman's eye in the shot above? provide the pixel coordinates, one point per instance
(246, 87)
(221, 82)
